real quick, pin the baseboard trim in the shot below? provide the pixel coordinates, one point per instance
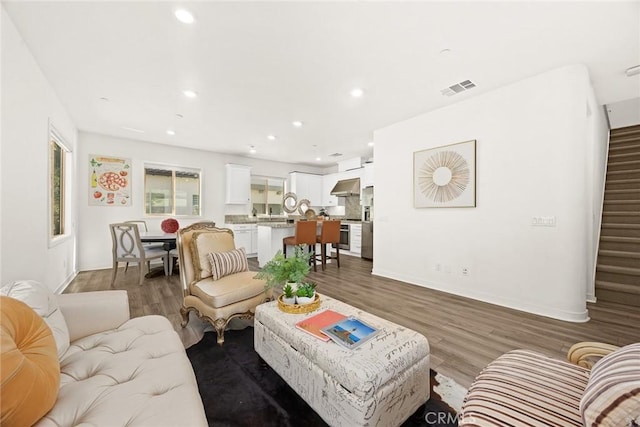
(60, 289)
(567, 316)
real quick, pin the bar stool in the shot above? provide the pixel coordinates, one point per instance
(329, 234)
(305, 235)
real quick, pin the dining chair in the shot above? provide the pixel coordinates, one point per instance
(329, 234)
(127, 247)
(173, 257)
(305, 235)
(142, 226)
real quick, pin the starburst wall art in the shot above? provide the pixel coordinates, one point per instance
(445, 177)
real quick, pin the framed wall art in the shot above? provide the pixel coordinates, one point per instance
(445, 177)
(109, 181)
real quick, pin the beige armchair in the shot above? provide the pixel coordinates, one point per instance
(221, 293)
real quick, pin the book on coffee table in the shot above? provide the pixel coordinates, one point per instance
(350, 332)
(313, 325)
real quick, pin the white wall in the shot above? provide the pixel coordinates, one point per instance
(94, 240)
(597, 149)
(29, 103)
(624, 113)
(531, 161)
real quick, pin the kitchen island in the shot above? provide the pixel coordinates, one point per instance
(270, 237)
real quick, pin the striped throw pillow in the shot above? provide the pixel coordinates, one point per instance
(612, 396)
(226, 263)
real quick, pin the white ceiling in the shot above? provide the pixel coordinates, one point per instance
(259, 66)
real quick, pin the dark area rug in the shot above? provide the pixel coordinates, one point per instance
(239, 389)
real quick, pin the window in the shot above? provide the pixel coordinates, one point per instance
(171, 190)
(266, 195)
(58, 185)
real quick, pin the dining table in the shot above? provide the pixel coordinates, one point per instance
(169, 241)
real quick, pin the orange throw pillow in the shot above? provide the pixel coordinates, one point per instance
(29, 366)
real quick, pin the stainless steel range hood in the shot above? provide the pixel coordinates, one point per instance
(347, 187)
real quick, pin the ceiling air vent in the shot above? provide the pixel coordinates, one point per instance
(335, 155)
(458, 87)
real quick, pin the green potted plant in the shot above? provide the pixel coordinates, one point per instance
(288, 294)
(292, 270)
(305, 294)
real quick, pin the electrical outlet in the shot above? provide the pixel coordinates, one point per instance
(465, 271)
(438, 267)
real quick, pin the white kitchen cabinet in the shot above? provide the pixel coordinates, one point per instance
(245, 236)
(367, 175)
(238, 184)
(306, 186)
(328, 182)
(355, 238)
(254, 240)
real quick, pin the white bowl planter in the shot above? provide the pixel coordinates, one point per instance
(305, 300)
(291, 300)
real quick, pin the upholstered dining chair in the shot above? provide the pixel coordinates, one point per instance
(142, 226)
(305, 235)
(173, 256)
(127, 247)
(215, 277)
(329, 234)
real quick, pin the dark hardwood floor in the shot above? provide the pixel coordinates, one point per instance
(464, 334)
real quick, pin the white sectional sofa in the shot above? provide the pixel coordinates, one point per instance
(119, 371)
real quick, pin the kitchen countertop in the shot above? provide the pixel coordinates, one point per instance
(282, 222)
(254, 221)
(276, 225)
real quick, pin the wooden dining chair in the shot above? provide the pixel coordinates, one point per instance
(329, 234)
(127, 247)
(305, 235)
(142, 226)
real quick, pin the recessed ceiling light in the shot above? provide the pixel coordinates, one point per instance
(104, 98)
(297, 123)
(445, 52)
(271, 137)
(357, 92)
(252, 149)
(132, 129)
(189, 93)
(171, 132)
(318, 159)
(180, 116)
(371, 144)
(184, 16)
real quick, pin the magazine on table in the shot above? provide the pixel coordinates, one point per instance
(314, 324)
(350, 332)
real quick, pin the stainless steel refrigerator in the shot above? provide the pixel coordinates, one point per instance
(367, 240)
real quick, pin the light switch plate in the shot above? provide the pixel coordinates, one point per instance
(543, 221)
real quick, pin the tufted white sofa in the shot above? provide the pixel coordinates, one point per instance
(119, 371)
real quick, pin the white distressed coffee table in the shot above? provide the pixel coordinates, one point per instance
(380, 383)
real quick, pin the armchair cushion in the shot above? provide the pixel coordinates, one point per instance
(40, 298)
(202, 244)
(29, 366)
(226, 263)
(229, 289)
(612, 396)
